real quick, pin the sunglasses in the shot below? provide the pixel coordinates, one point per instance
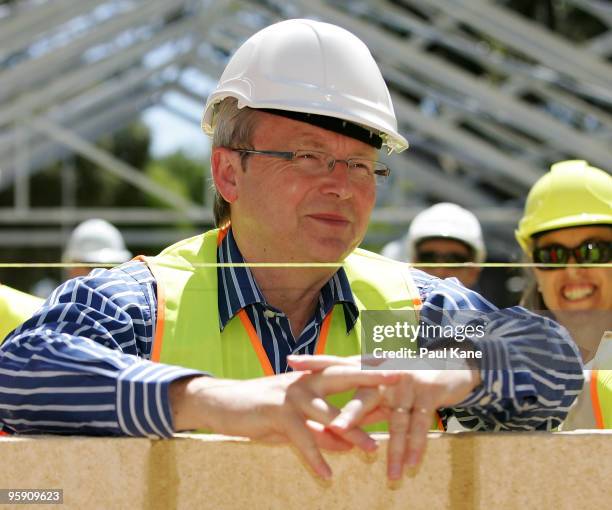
(433, 257)
(588, 252)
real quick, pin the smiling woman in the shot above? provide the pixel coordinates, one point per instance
(574, 287)
(567, 230)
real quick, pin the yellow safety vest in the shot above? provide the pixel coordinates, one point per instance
(187, 329)
(15, 308)
(600, 387)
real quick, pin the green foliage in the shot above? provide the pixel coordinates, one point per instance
(180, 174)
(96, 187)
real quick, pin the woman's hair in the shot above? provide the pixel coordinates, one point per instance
(532, 298)
(233, 127)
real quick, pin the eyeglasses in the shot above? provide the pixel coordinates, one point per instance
(433, 257)
(588, 252)
(316, 163)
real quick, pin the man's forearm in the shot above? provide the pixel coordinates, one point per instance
(58, 383)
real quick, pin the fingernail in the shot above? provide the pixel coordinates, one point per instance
(413, 458)
(395, 471)
(325, 472)
(370, 445)
(340, 423)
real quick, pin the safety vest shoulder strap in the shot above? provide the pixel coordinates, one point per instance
(601, 397)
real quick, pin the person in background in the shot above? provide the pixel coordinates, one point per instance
(444, 233)
(566, 225)
(94, 241)
(15, 308)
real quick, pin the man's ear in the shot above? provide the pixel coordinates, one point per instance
(225, 164)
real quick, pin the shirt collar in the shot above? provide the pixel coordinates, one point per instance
(238, 289)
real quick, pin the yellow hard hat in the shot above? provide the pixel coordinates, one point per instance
(570, 195)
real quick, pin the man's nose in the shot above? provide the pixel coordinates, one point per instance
(339, 182)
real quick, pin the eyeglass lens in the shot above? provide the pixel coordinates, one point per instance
(588, 252)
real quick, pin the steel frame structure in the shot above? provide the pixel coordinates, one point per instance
(73, 71)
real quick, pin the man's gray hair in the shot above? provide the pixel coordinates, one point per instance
(232, 127)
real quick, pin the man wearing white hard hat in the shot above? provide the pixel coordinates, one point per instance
(297, 119)
(94, 241)
(444, 233)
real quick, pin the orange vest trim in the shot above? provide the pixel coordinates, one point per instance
(324, 331)
(264, 361)
(256, 341)
(244, 318)
(599, 422)
(221, 235)
(161, 314)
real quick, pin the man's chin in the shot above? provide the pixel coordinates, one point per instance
(327, 249)
(329, 254)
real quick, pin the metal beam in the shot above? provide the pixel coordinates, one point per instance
(32, 71)
(103, 96)
(109, 162)
(116, 215)
(444, 186)
(528, 37)
(21, 28)
(55, 238)
(487, 216)
(78, 80)
(499, 105)
(44, 151)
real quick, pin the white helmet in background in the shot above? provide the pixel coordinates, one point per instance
(396, 250)
(96, 241)
(313, 68)
(448, 221)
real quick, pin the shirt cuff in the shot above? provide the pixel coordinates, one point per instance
(143, 405)
(494, 363)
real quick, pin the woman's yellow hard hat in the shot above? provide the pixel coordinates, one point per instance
(572, 194)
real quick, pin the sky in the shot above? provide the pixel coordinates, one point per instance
(176, 127)
(175, 121)
(171, 133)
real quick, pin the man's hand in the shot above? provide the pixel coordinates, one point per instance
(409, 405)
(287, 407)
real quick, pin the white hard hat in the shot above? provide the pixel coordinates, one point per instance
(310, 67)
(396, 250)
(96, 241)
(450, 221)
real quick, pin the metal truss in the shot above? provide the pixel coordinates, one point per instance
(487, 98)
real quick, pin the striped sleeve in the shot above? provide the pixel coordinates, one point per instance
(81, 364)
(530, 368)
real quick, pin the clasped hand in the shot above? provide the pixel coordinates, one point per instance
(292, 408)
(409, 404)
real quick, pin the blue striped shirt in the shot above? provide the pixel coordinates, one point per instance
(81, 363)
(238, 289)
